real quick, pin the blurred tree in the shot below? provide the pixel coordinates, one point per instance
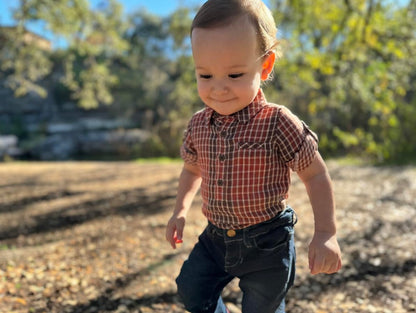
(349, 70)
(22, 62)
(93, 37)
(157, 76)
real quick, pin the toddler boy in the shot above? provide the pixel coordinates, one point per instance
(239, 150)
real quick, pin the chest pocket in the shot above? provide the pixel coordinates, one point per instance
(252, 145)
(255, 152)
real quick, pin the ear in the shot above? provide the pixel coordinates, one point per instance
(268, 65)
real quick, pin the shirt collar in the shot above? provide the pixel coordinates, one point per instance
(244, 115)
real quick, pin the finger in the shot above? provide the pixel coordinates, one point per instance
(179, 234)
(334, 267)
(339, 265)
(170, 230)
(311, 257)
(318, 265)
(172, 241)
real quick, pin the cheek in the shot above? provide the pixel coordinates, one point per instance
(257, 79)
(248, 87)
(202, 89)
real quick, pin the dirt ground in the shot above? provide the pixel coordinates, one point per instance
(88, 237)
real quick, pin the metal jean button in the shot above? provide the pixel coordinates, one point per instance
(231, 233)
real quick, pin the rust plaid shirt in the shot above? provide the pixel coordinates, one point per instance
(245, 160)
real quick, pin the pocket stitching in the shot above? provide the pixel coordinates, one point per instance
(287, 236)
(251, 145)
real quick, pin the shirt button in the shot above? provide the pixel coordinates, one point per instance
(220, 182)
(222, 157)
(223, 133)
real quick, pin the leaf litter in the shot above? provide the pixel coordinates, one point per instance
(89, 237)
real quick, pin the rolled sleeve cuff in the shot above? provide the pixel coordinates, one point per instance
(306, 154)
(188, 156)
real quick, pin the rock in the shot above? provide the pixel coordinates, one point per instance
(67, 145)
(8, 146)
(55, 147)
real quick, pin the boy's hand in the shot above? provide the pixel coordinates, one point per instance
(174, 230)
(324, 254)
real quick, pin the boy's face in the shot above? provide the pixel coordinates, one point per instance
(228, 65)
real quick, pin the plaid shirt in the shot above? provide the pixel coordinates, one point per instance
(245, 160)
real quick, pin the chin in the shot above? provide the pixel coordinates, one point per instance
(224, 112)
(225, 109)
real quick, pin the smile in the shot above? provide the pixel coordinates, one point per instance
(222, 101)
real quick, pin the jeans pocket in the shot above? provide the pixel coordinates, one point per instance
(274, 239)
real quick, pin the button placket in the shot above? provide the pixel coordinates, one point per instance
(221, 157)
(223, 130)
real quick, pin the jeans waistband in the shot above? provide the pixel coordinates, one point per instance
(286, 217)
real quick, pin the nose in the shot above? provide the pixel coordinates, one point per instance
(219, 87)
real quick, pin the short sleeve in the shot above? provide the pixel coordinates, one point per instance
(297, 143)
(188, 152)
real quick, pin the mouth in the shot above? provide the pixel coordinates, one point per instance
(222, 101)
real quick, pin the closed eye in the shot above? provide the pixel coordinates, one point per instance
(205, 76)
(233, 76)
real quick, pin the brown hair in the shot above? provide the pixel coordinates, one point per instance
(216, 13)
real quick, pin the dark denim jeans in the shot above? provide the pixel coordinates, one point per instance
(261, 256)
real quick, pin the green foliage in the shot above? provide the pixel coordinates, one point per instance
(93, 36)
(24, 63)
(348, 69)
(157, 74)
(89, 82)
